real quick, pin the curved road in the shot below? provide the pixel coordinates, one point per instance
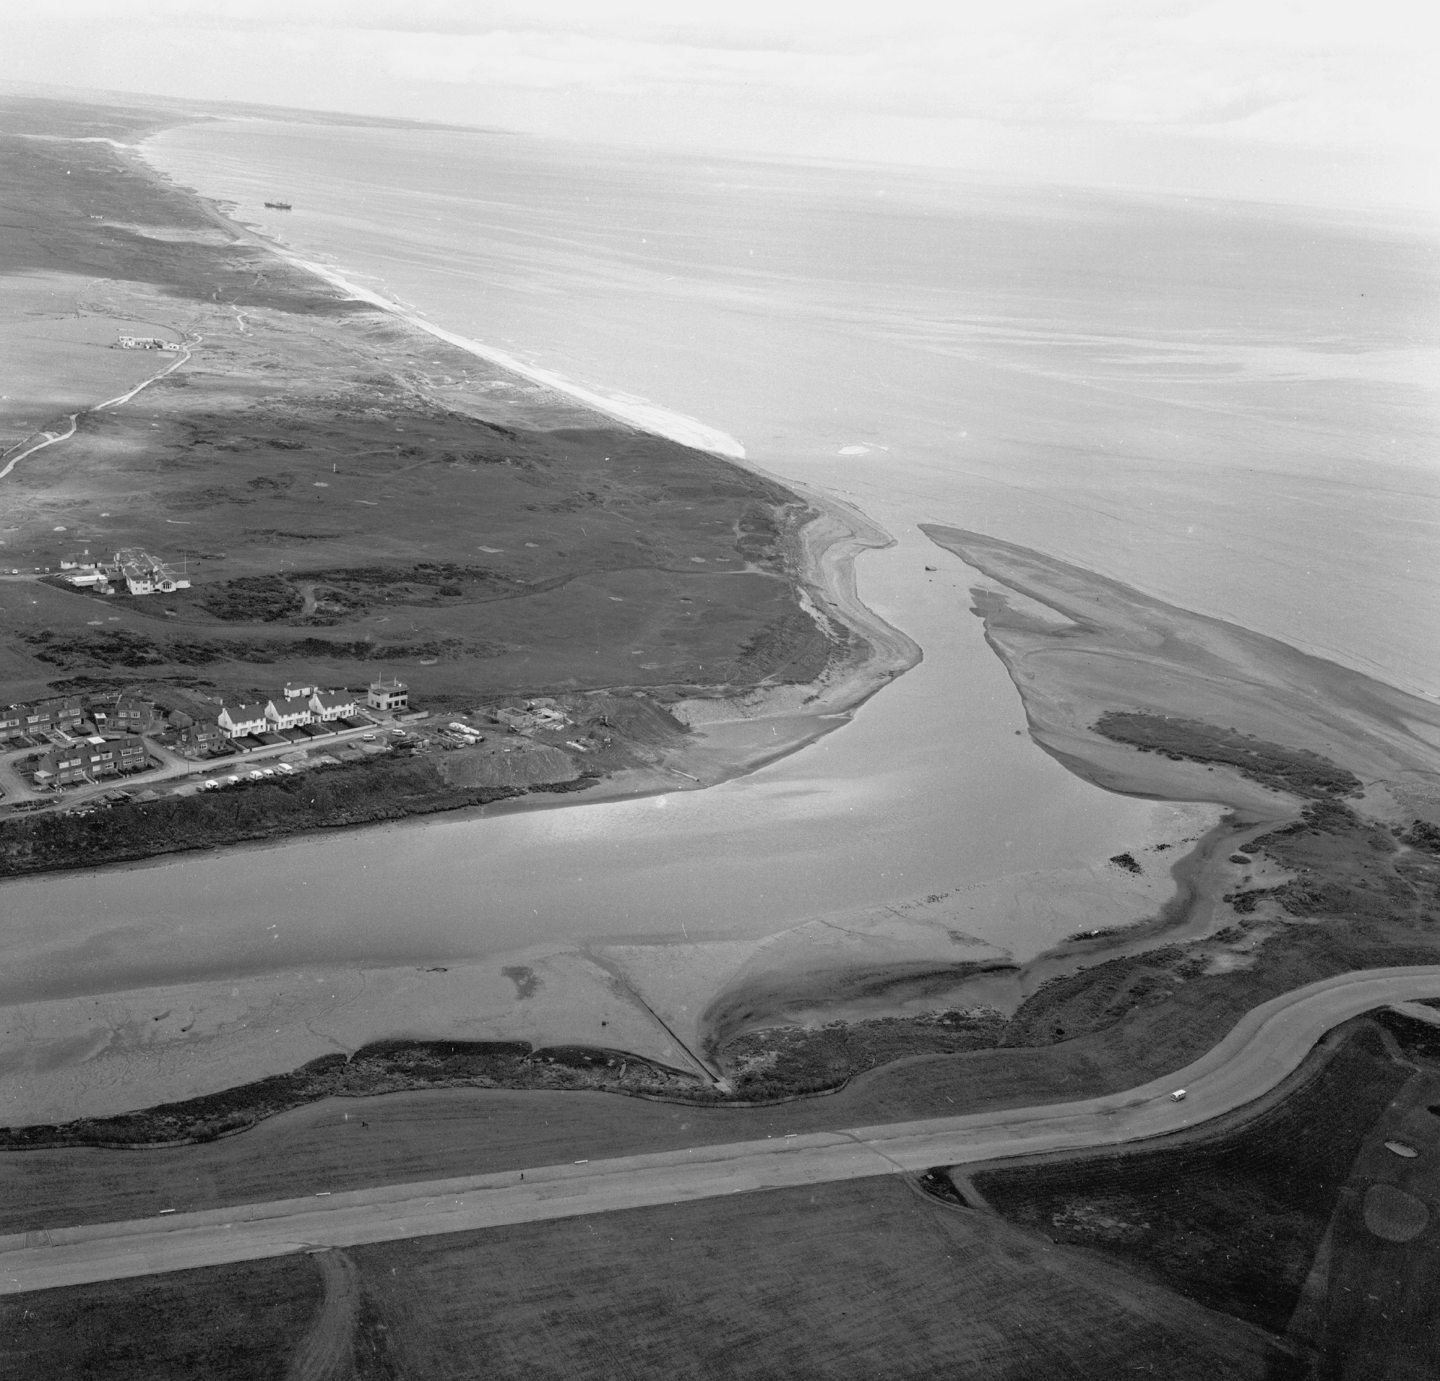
(1263, 1048)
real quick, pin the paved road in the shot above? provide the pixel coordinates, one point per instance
(14, 788)
(1263, 1048)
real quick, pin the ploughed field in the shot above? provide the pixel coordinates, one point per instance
(343, 491)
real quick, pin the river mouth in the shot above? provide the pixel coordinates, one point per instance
(973, 398)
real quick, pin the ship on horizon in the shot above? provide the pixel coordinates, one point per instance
(278, 205)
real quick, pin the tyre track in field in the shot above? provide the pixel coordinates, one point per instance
(327, 1351)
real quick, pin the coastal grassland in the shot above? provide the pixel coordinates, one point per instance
(79, 208)
(384, 1067)
(228, 1323)
(345, 490)
(1230, 1218)
(790, 1061)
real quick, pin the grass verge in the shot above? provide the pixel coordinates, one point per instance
(1232, 1222)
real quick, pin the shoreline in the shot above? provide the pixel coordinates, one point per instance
(824, 549)
(645, 417)
(732, 736)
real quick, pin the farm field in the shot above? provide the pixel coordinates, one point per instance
(233, 1323)
(857, 1280)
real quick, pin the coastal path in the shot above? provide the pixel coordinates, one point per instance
(1264, 1047)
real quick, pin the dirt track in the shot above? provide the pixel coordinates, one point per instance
(326, 1352)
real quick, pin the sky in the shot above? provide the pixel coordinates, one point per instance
(1333, 101)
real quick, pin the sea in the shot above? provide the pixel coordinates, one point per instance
(1230, 405)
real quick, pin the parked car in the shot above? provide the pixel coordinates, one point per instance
(286, 768)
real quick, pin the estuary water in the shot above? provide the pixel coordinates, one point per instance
(1228, 405)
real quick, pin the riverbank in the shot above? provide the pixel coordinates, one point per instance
(1280, 871)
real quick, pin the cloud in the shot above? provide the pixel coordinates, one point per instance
(1322, 72)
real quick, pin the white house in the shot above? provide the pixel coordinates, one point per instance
(328, 705)
(239, 720)
(388, 694)
(287, 713)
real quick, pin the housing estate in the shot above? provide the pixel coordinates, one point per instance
(239, 718)
(297, 707)
(86, 759)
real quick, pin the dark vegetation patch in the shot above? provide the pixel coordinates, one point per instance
(252, 599)
(788, 1061)
(1128, 862)
(1246, 899)
(1420, 1040)
(360, 793)
(384, 1067)
(1422, 835)
(1295, 770)
(1235, 1222)
(790, 648)
(103, 647)
(346, 592)
(1101, 995)
(1345, 865)
(225, 1323)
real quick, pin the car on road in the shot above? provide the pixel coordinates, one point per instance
(1178, 1096)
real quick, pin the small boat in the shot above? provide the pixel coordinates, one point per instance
(278, 205)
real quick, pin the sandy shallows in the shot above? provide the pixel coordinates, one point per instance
(1077, 645)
